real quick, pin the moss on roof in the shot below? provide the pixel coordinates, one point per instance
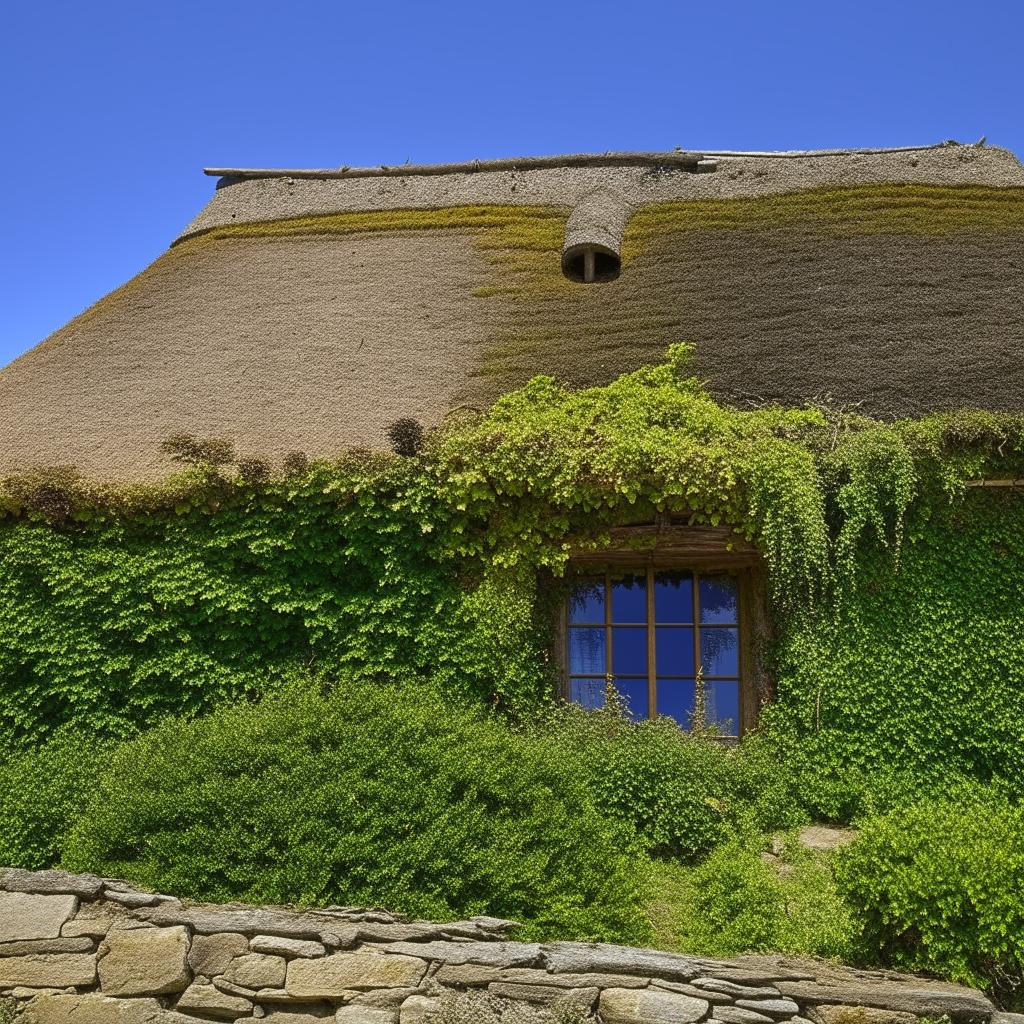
(517, 240)
(854, 210)
(539, 320)
(520, 241)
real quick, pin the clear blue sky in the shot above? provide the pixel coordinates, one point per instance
(110, 109)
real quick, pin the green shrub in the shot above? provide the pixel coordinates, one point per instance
(653, 776)
(683, 793)
(735, 902)
(42, 792)
(363, 794)
(940, 887)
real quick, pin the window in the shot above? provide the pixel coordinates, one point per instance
(651, 634)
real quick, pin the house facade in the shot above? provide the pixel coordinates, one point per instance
(310, 310)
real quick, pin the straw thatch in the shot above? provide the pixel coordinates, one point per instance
(310, 314)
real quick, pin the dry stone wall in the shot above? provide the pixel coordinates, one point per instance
(78, 949)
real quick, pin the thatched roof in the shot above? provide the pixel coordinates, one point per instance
(308, 310)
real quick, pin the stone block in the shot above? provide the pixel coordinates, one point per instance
(737, 1015)
(145, 961)
(690, 990)
(207, 1001)
(418, 1010)
(777, 1007)
(912, 996)
(29, 916)
(731, 988)
(281, 997)
(535, 976)
(232, 989)
(256, 970)
(383, 998)
(365, 1015)
(488, 954)
(321, 1014)
(48, 970)
(544, 995)
(840, 1014)
(650, 1006)
(470, 975)
(598, 958)
(26, 946)
(277, 945)
(211, 954)
(247, 921)
(92, 1008)
(132, 899)
(89, 923)
(330, 976)
(55, 883)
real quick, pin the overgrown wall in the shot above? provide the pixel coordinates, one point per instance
(79, 948)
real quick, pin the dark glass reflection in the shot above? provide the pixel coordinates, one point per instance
(673, 597)
(718, 599)
(629, 650)
(720, 651)
(586, 603)
(673, 651)
(634, 693)
(586, 651)
(676, 700)
(588, 692)
(723, 699)
(629, 599)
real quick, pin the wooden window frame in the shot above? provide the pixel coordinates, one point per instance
(704, 551)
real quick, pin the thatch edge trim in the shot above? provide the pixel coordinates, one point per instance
(688, 160)
(679, 159)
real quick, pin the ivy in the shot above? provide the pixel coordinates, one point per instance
(896, 591)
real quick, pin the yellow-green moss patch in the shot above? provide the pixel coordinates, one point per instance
(855, 210)
(523, 242)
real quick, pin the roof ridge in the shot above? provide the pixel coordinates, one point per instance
(686, 160)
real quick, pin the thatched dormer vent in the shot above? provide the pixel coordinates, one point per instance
(593, 237)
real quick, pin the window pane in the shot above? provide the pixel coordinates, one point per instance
(629, 599)
(588, 692)
(676, 700)
(718, 599)
(586, 603)
(724, 705)
(720, 651)
(673, 650)
(586, 651)
(634, 693)
(629, 650)
(673, 597)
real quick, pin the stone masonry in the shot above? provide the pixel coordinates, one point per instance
(81, 949)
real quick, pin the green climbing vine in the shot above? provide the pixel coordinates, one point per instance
(896, 590)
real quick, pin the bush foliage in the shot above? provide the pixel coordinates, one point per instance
(736, 902)
(938, 888)
(367, 795)
(42, 794)
(682, 793)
